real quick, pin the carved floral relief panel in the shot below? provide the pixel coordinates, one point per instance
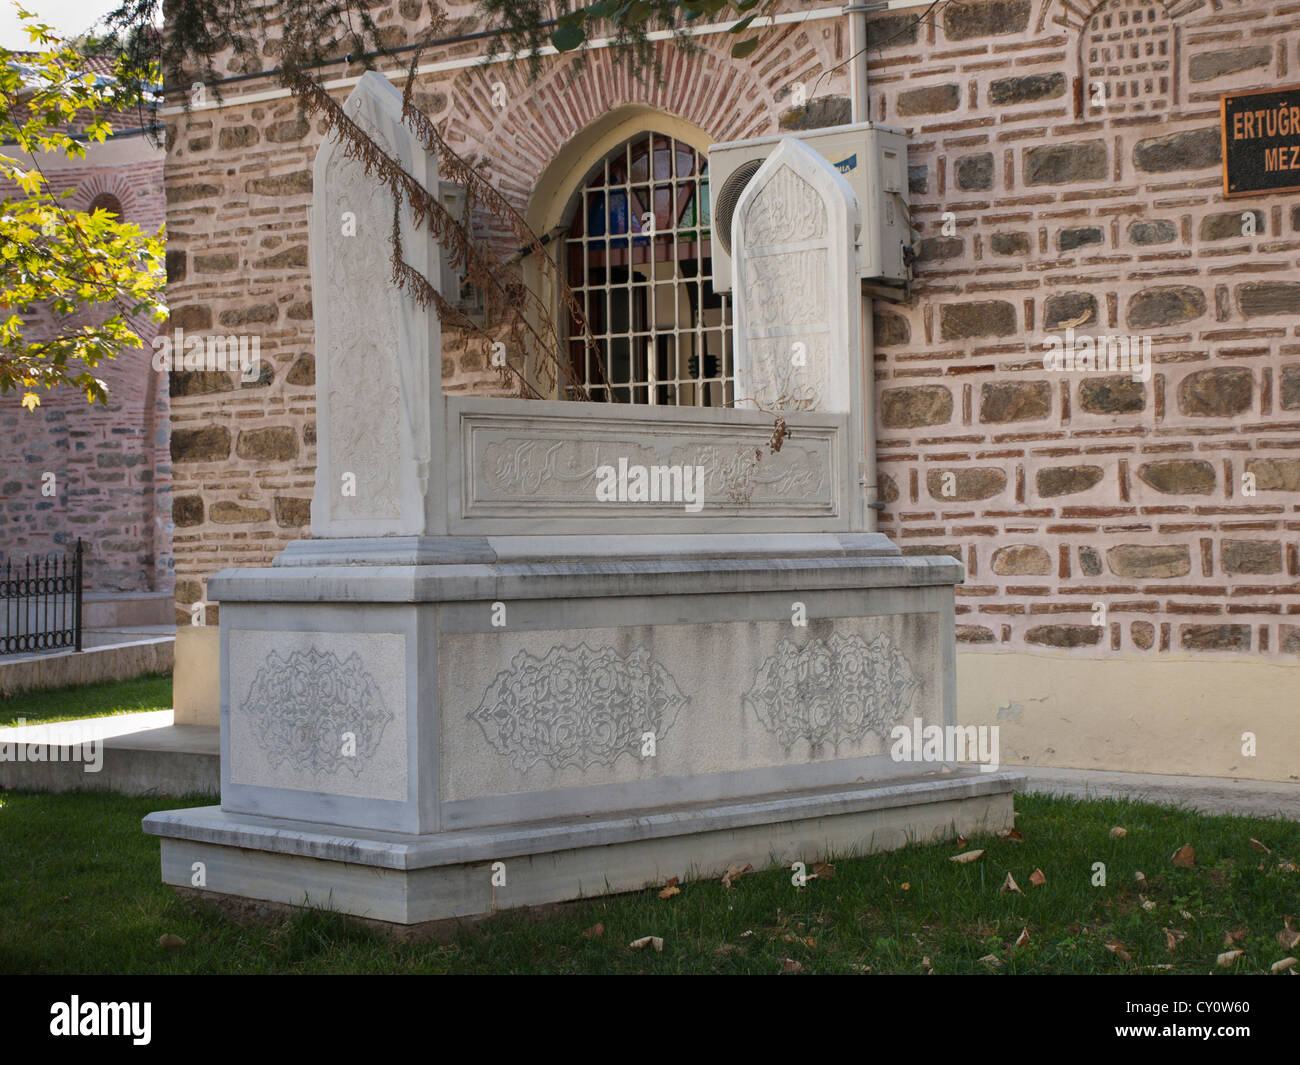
(318, 711)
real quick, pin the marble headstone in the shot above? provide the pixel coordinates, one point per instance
(378, 355)
(797, 306)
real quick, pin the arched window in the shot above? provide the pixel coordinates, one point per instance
(106, 201)
(638, 259)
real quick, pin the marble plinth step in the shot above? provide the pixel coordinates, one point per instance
(411, 879)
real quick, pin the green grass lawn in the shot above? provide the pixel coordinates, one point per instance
(150, 692)
(80, 893)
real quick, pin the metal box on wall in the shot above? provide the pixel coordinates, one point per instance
(872, 158)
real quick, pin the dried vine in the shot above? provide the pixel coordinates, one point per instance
(479, 192)
(520, 315)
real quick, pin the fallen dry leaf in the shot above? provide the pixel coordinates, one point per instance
(789, 965)
(1228, 958)
(823, 870)
(595, 931)
(905, 886)
(1118, 833)
(1283, 965)
(735, 873)
(1174, 936)
(966, 856)
(1232, 938)
(1184, 857)
(746, 932)
(1148, 905)
(1256, 845)
(1013, 835)
(1187, 916)
(961, 841)
(1022, 940)
(648, 941)
(670, 891)
(1288, 938)
(1141, 879)
(170, 941)
(860, 968)
(1037, 878)
(1009, 884)
(1117, 948)
(1287, 866)
(991, 959)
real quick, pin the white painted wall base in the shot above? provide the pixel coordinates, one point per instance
(1139, 715)
(196, 679)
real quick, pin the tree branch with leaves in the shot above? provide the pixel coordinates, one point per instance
(93, 274)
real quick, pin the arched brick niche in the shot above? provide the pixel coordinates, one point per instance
(1127, 55)
(1072, 17)
(1131, 47)
(111, 191)
(106, 201)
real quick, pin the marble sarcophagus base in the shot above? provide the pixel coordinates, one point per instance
(414, 729)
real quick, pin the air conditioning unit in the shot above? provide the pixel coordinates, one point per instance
(872, 158)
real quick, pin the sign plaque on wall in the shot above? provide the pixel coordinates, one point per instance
(1261, 141)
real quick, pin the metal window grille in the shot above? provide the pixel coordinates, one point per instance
(638, 258)
(40, 603)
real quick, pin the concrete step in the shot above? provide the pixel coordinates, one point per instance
(115, 636)
(1207, 795)
(126, 656)
(133, 754)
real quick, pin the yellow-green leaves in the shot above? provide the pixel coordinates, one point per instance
(53, 256)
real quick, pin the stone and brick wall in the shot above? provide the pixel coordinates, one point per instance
(1066, 489)
(110, 463)
(1073, 489)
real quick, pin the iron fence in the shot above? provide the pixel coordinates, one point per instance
(40, 603)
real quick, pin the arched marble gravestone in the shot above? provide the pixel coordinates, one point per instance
(798, 300)
(378, 355)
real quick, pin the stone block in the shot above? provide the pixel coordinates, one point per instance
(1149, 560)
(1015, 401)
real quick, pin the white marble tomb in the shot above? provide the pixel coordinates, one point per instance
(477, 686)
